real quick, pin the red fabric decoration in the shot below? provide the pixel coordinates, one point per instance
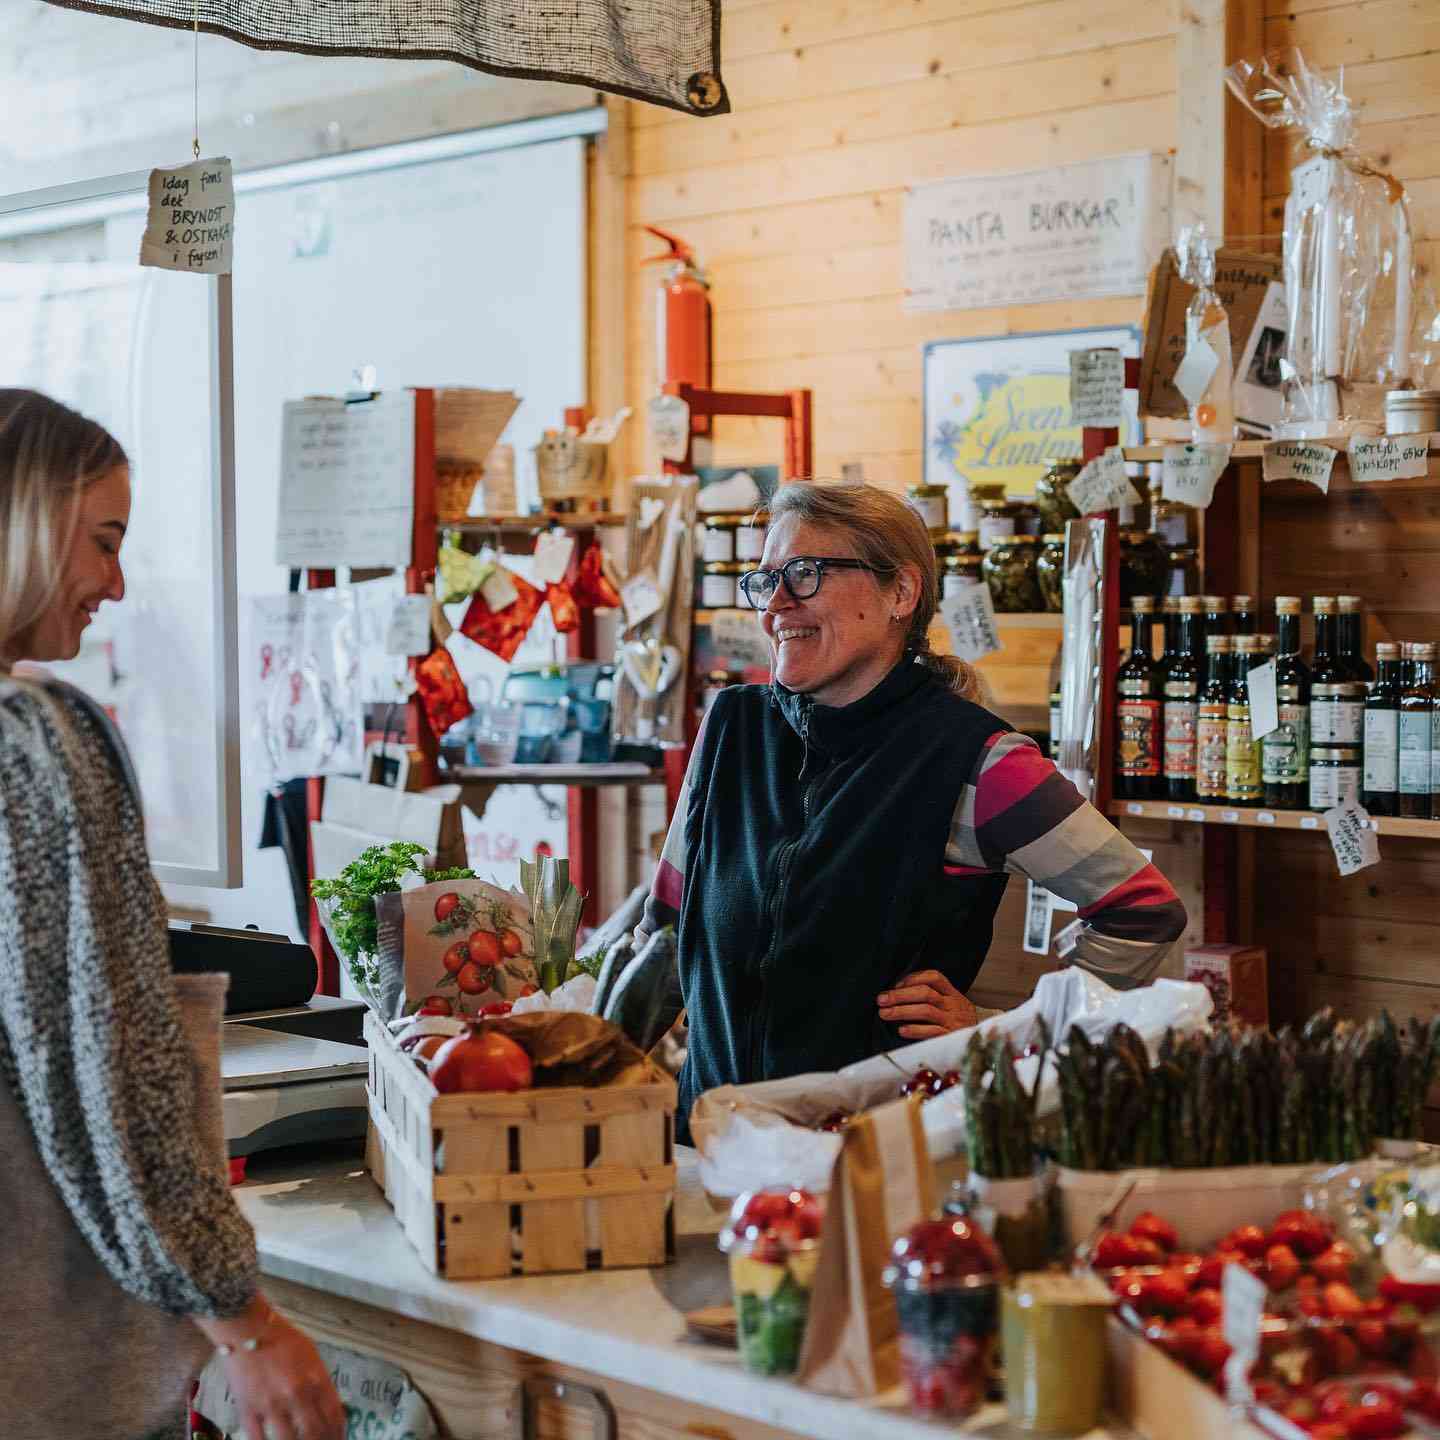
(503, 631)
(442, 691)
(592, 586)
(563, 609)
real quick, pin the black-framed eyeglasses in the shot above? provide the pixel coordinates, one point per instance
(802, 577)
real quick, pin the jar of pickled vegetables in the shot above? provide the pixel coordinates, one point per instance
(962, 565)
(1052, 496)
(1142, 565)
(1009, 568)
(998, 521)
(1050, 571)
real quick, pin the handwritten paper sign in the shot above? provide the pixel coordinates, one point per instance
(552, 557)
(191, 222)
(1065, 233)
(969, 616)
(347, 482)
(1097, 387)
(1388, 457)
(1299, 460)
(1264, 707)
(1103, 484)
(1243, 1308)
(498, 590)
(1190, 472)
(669, 419)
(1352, 837)
(641, 597)
(408, 632)
(737, 635)
(1196, 371)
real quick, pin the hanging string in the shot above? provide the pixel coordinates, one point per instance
(196, 141)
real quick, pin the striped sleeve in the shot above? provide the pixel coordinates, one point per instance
(1019, 814)
(662, 905)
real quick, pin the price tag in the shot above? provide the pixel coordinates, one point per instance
(1190, 473)
(1264, 817)
(1388, 457)
(1310, 183)
(499, 590)
(1309, 822)
(408, 629)
(641, 598)
(1134, 807)
(1069, 938)
(737, 635)
(1352, 837)
(1196, 371)
(969, 615)
(1175, 812)
(669, 419)
(1036, 938)
(1196, 815)
(1243, 1301)
(1264, 707)
(191, 221)
(1230, 817)
(1103, 484)
(1299, 460)
(552, 556)
(1097, 388)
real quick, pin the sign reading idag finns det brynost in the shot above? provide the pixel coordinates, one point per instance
(1092, 228)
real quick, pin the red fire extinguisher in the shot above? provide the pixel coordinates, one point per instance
(682, 313)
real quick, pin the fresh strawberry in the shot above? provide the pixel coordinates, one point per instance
(1338, 1351)
(1140, 1251)
(1131, 1290)
(1281, 1267)
(1165, 1293)
(1304, 1232)
(1341, 1301)
(1375, 1417)
(1111, 1251)
(1334, 1263)
(1149, 1226)
(1208, 1351)
(1206, 1307)
(1250, 1240)
(1370, 1336)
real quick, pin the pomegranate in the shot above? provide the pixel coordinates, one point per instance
(480, 1060)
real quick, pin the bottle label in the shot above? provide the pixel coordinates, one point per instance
(1054, 729)
(1242, 756)
(1336, 720)
(1332, 785)
(1415, 752)
(1180, 723)
(1211, 733)
(1285, 751)
(1138, 723)
(1000, 527)
(1135, 688)
(1382, 750)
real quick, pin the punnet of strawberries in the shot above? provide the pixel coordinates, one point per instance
(1333, 1363)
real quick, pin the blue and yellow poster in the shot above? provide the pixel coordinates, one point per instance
(998, 409)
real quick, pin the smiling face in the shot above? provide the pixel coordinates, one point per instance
(841, 642)
(90, 573)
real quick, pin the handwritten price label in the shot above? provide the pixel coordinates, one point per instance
(552, 556)
(1352, 837)
(1103, 484)
(1391, 457)
(191, 220)
(1243, 1299)
(1190, 473)
(1297, 460)
(1097, 388)
(669, 418)
(969, 615)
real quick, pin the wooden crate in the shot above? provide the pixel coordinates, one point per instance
(522, 1183)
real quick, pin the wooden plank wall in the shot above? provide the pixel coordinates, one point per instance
(1373, 940)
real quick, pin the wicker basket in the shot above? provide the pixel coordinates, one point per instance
(455, 484)
(532, 1182)
(570, 469)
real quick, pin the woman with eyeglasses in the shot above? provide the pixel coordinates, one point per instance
(845, 833)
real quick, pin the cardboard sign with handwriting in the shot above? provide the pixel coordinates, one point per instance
(1352, 838)
(1388, 457)
(1103, 484)
(191, 222)
(1097, 388)
(1190, 473)
(969, 616)
(1299, 460)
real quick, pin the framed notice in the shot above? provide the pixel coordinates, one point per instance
(1068, 233)
(998, 409)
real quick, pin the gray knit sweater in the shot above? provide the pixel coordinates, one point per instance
(128, 1221)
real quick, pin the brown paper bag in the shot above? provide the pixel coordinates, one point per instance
(881, 1186)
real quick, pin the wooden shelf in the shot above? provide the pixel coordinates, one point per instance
(528, 524)
(578, 775)
(1255, 449)
(1004, 620)
(1262, 819)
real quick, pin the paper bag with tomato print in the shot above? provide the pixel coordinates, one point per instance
(467, 941)
(882, 1184)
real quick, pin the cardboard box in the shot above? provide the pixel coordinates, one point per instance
(1237, 977)
(1242, 281)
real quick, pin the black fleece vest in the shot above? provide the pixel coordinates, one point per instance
(815, 873)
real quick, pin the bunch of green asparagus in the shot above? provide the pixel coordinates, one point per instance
(999, 1110)
(1241, 1096)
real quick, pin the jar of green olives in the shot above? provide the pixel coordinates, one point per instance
(1052, 496)
(1009, 570)
(1142, 565)
(1050, 571)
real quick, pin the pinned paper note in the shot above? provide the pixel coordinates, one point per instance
(1388, 457)
(498, 590)
(191, 221)
(1299, 460)
(1352, 837)
(408, 632)
(552, 557)
(969, 615)
(669, 419)
(1097, 388)
(1103, 484)
(641, 598)
(1243, 1309)
(1264, 706)
(1196, 371)
(736, 634)
(1036, 938)
(1190, 473)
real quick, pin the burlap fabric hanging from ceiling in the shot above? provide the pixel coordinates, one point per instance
(663, 51)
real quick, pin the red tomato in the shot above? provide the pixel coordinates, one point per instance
(1341, 1301)
(1110, 1251)
(1208, 1351)
(474, 979)
(436, 1005)
(1249, 1240)
(1375, 1417)
(1206, 1307)
(455, 957)
(1305, 1233)
(511, 943)
(1338, 1351)
(480, 1060)
(1281, 1267)
(495, 1008)
(1140, 1251)
(1334, 1263)
(1149, 1226)
(1165, 1293)
(485, 947)
(446, 906)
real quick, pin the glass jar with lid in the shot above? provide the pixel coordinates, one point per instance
(718, 537)
(933, 504)
(961, 565)
(1027, 518)
(997, 520)
(1050, 571)
(719, 584)
(750, 536)
(1142, 565)
(1009, 570)
(1052, 496)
